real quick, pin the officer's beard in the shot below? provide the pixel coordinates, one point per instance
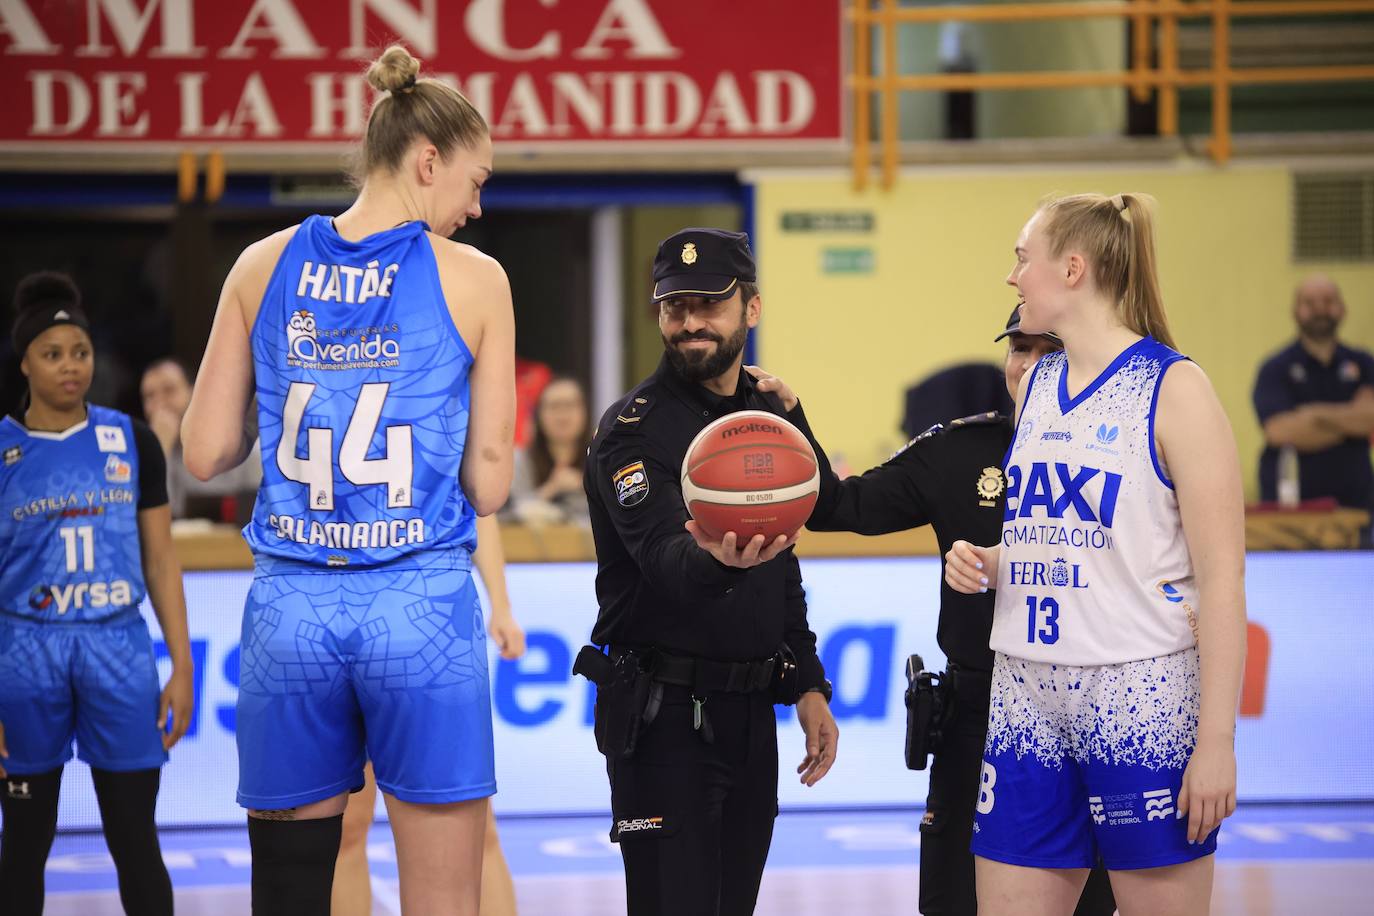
(698, 366)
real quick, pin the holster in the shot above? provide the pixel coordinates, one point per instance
(627, 696)
(928, 707)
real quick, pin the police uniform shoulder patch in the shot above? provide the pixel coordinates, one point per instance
(632, 411)
(933, 431)
(978, 419)
(631, 484)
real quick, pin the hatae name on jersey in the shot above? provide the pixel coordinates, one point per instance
(344, 282)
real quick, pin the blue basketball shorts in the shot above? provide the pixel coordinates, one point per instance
(339, 666)
(1082, 762)
(95, 682)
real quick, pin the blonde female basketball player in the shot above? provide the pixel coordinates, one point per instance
(382, 358)
(1120, 616)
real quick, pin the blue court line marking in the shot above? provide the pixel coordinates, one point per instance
(837, 839)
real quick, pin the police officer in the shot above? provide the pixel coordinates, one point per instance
(697, 639)
(949, 477)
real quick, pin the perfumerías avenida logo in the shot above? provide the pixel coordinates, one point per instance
(352, 348)
(1107, 434)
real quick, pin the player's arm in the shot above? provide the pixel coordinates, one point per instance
(214, 433)
(1199, 451)
(490, 560)
(478, 295)
(162, 577)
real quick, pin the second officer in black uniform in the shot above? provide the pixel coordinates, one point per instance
(695, 640)
(949, 477)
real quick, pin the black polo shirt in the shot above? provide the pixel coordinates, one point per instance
(949, 478)
(1293, 377)
(654, 585)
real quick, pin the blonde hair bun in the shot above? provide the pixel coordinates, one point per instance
(395, 70)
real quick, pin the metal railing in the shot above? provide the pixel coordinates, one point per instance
(1141, 76)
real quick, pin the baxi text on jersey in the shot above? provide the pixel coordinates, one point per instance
(396, 532)
(1088, 493)
(344, 282)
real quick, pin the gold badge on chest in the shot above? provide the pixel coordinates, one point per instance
(990, 486)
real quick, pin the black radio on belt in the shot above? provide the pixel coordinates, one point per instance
(926, 712)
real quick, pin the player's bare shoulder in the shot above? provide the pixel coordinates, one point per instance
(248, 279)
(1186, 390)
(260, 258)
(465, 270)
(476, 290)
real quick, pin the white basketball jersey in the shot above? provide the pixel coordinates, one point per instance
(1094, 567)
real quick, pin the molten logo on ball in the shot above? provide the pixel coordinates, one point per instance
(751, 473)
(752, 428)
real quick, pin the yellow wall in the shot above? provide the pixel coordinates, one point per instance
(850, 344)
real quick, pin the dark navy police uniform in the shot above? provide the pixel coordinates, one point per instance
(694, 801)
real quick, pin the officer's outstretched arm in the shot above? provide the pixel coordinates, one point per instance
(642, 497)
(888, 498)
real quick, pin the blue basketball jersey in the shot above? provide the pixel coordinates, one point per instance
(363, 397)
(69, 548)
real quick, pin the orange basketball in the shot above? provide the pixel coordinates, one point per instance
(750, 472)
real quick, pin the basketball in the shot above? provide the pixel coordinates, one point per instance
(750, 472)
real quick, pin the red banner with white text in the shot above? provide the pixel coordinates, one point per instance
(83, 74)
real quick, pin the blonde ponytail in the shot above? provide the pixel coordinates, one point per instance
(1116, 234)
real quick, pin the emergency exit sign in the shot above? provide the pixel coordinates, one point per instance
(847, 260)
(828, 221)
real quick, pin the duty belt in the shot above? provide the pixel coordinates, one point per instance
(704, 675)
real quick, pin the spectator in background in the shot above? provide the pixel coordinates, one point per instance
(1317, 396)
(547, 487)
(166, 392)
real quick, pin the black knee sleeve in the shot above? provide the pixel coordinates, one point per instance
(293, 865)
(128, 805)
(29, 807)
